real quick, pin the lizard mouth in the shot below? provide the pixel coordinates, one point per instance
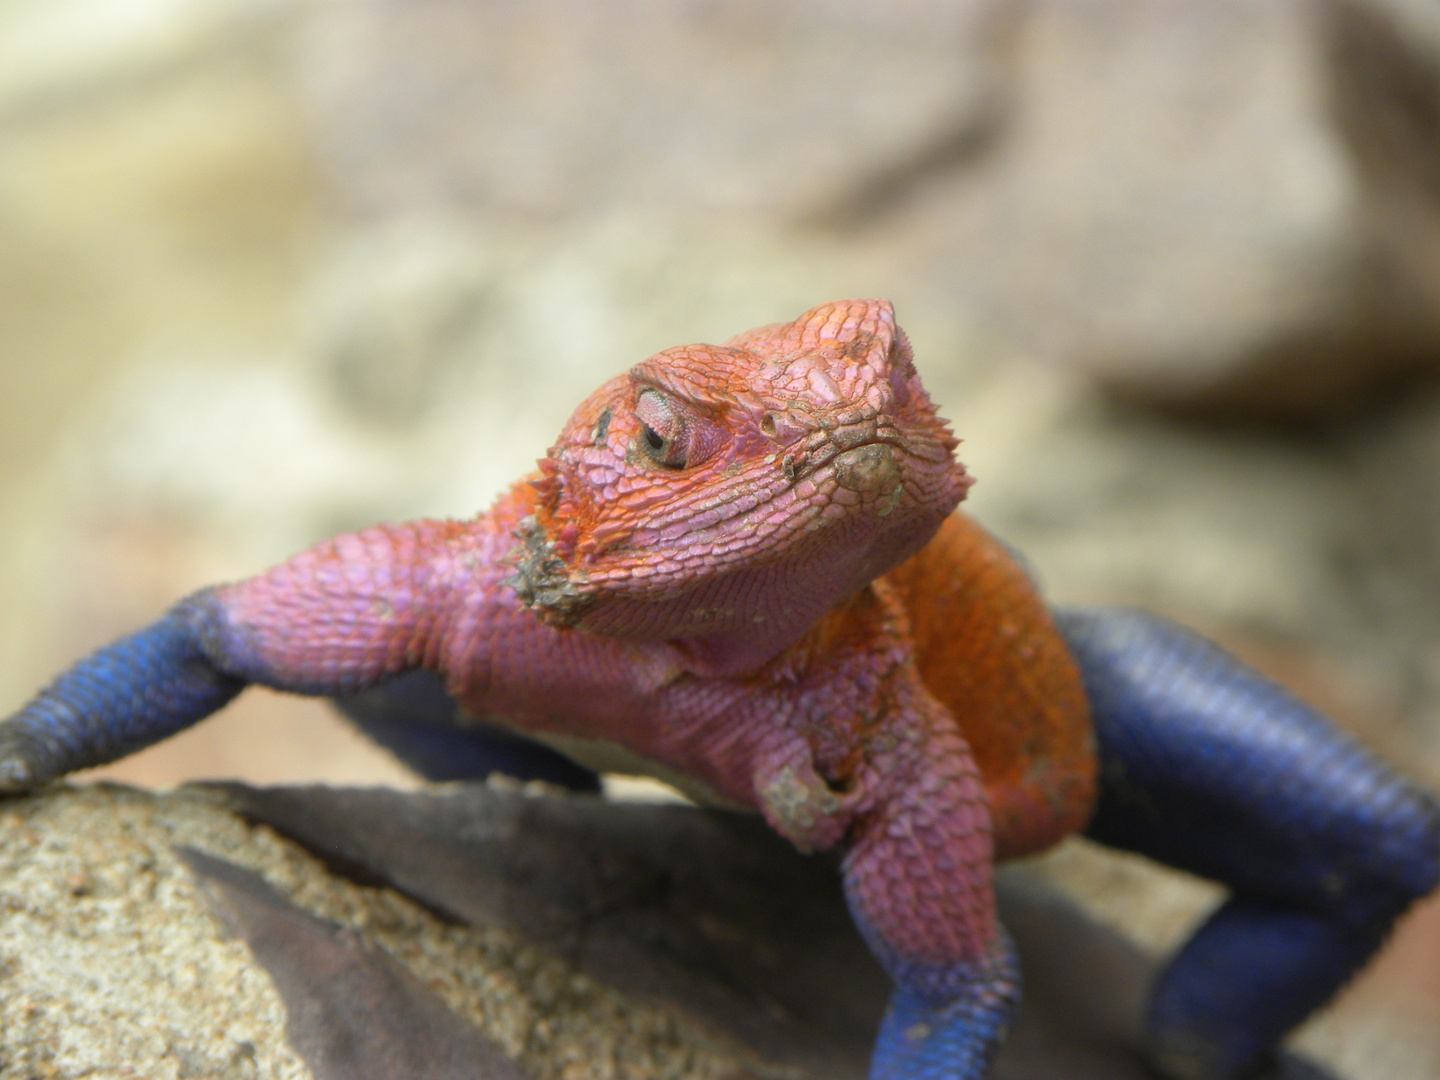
(866, 457)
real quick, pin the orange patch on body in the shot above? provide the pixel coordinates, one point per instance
(989, 651)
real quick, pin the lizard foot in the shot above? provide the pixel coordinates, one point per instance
(925, 1036)
(17, 776)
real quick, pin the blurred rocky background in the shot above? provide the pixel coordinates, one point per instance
(270, 269)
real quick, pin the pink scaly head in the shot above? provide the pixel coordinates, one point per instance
(724, 497)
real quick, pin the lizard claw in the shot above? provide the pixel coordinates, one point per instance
(18, 774)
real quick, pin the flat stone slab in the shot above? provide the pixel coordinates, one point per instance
(478, 931)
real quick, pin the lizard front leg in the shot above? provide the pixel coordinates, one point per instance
(332, 620)
(134, 692)
(914, 824)
(919, 880)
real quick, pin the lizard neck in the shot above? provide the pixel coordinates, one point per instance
(783, 603)
(715, 624)
(764, 610)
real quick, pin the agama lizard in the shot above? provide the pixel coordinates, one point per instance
(740, 568)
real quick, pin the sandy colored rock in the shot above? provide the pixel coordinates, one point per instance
(115, 966)
(134, 923)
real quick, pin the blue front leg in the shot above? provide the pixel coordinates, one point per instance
(1209, 767)
(160, 680)
(945, 1024)
(128, 695)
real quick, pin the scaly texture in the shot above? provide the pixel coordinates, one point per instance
(739, 569)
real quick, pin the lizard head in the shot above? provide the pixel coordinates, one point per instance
(743, 487)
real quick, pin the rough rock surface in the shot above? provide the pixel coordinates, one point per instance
(115, 963)
(484, 931)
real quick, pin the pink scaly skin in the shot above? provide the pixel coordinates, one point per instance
(699, 520)
(690, 596)
(685, 588)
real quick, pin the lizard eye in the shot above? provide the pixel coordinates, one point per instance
(663, 431)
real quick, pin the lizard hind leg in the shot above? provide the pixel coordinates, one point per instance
(415, 718)
(1209, 767)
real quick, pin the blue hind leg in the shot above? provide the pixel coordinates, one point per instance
(414, 718)
(1209, 767)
